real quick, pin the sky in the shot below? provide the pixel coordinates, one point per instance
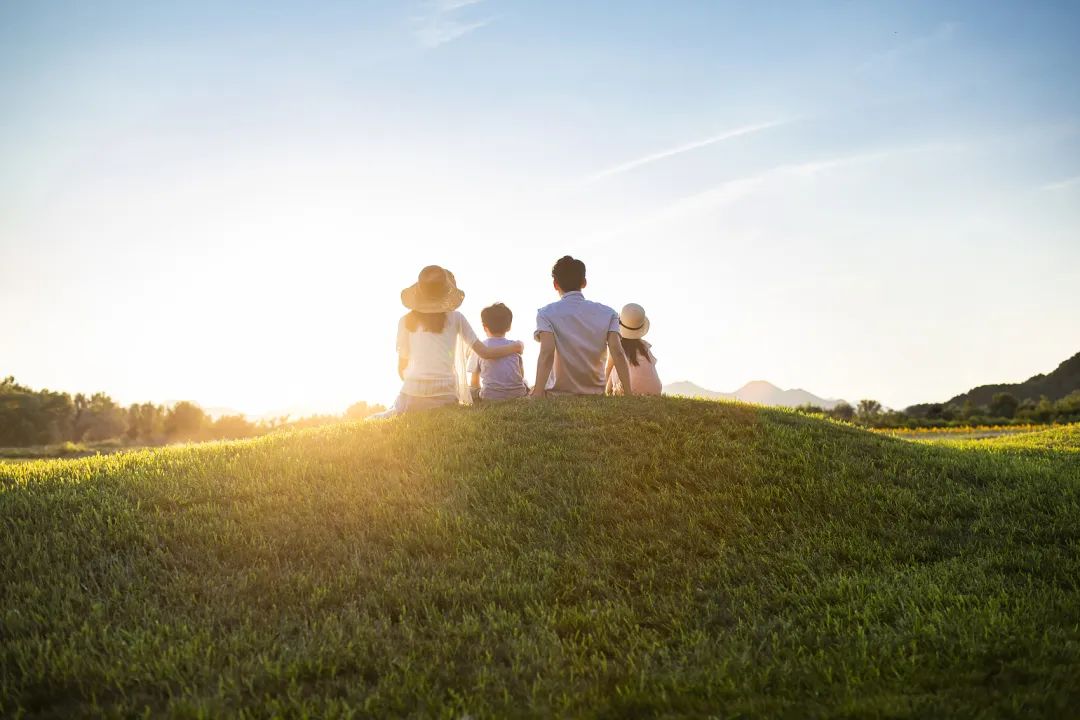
(222, 201)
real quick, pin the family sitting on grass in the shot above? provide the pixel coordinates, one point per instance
(585, 348)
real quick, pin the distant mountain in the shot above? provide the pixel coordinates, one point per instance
(758, 392)
(689, 389)
(1062, 381)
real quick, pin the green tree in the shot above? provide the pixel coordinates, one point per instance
(185, 421)
(868, 411)
(1068, 407)
(969, 409)
(1026, 410)
(132, 434)
(33, 417)
(843, 411)
(146, 423)
(1044, 410)
(231, 427)
(100, 418)
(1003, 405)
(16, 409)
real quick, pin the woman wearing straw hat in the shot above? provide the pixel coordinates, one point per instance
(633, 326)
(433, 341)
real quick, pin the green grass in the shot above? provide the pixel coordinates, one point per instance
(1059, 439)
(604, 558)
(1063, 437)
(66, 449)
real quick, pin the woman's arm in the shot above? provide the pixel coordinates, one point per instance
(609, 386)
(402, 363)
(494, 353)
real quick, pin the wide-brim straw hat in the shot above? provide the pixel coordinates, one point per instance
(633, 322)
(435, 291)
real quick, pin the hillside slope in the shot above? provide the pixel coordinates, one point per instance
(606, 557)
(1064, 379)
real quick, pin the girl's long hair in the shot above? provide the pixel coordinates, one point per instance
(429, 322)
(634, 348)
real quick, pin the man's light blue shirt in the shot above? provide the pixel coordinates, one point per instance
(581, 330)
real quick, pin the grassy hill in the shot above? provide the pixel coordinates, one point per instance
(610, 558)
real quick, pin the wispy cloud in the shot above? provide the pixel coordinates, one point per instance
(1066, 184)
(679, 149)
(440, 22)
(732, 191)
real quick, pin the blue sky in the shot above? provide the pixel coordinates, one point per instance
(861, 199)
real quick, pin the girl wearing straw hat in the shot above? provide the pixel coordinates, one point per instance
(633, 326)
(433, 341)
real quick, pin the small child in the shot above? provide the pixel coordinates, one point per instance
(433, 341)
(504, 378)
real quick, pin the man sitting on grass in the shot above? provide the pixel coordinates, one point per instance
(575, 338)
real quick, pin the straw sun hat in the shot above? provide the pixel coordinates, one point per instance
(633, 323)
(435, 291)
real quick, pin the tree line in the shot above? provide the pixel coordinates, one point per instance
(45, 417)
(1003, 409)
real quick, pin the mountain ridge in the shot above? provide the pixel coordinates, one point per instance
(759, 392)
(1055, 385)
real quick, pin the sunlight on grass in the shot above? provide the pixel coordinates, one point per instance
(629, 557)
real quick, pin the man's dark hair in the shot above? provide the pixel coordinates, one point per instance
(569, 273)
(497, 318)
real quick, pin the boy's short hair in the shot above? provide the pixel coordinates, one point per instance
(497, 318)
(569, 273)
